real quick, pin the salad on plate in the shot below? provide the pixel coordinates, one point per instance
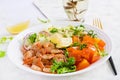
(62, 50)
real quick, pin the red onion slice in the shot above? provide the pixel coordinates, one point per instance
(26, 44)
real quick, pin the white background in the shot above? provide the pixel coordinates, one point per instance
(15, 11)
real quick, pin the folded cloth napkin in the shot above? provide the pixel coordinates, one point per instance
(52, 9)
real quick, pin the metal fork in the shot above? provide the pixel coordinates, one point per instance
(97, 22)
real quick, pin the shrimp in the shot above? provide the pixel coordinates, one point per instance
(39, 63)
(59, 57)
(42, 51)
(43, 48)
(36, 46)
(47, 56)
(56, 51)
(46, 62)
(47, 70)
(28, 54)
(39, 57)
(34, 67)
(28, 61)
(48, 66)
(48, 44)
(23, 50)
(48, 49)
(38, 54)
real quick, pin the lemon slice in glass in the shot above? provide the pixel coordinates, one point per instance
(15, 29)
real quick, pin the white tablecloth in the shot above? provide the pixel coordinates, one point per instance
(15, 11)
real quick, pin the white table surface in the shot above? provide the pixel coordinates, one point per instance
(15, 11)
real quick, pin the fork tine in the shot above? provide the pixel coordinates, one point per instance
(97, 23)
(94, 22)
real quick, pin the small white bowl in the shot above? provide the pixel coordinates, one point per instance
(15, 54)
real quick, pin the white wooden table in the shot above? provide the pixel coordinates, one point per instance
(15, 11)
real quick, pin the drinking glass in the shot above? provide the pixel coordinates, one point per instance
(75, 9)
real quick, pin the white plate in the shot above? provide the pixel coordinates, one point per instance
(15, 55)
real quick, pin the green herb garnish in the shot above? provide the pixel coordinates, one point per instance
(10, 38)
(54, 30)
(2, 53)
(78, 30)
(83, 46)
(43, 21)
(2, 41)
(66, 70)
(64, 67)
(5, 39)
(76, 44)
(66, 53)
(70, 61)
(82, 26)
(92, 34)
(32, 37)
(102, 53)
(80, 45)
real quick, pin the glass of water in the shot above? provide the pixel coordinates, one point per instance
(75, 9)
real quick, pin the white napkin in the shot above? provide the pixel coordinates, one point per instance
(52, 9)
